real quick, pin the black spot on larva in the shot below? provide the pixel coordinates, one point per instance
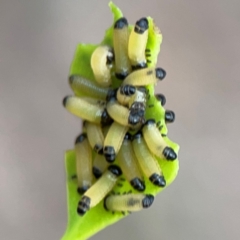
(169, 116)
(160, 73)
(83, 205)
(138, 184)
(157, 180)
(127, 90)
(115, 170)
(139, 66)
(96, 172)
(81, 138)
(121, 76)
(121, 23)
(105, 118)
(82, 190)
(169, 154)
(147, 201)
(128, 136)
(150, 122)
(65, 100)
(160, 97)
(109, 153)
(137, 135)
(119, 185)
(111, 95)
(98, 148)
(71, 79)
(110, 57)
(151, 105)
(141, 25)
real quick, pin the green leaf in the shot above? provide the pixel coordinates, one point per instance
(97, 218)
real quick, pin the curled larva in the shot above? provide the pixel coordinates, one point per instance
(101, 63)
(155, 141)
(95, 136)
(147, 162)
(145, 76)
(83, 163)
(113, 141)
(123, 115)
(120, 44)
(86, 110)
(129, 165)
(137, 44)
(99, 189)
(128, 202)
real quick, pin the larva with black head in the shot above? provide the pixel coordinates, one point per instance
(147, 162)
(101, 63)
(120, 44)
(124, 94)
(144, 77)
(83, 163)
(86, 110)
(113, 141)
(137, 44)
(95, 136)
(128, 202)
(155, 141)
(129, 165)
(99, 189)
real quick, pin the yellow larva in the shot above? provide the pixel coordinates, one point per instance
(147, 162)
(99, 189)
(95, 101)
(122, 114)
(137, 44)
(99, 165)
(88, 88)
(120, 44)
(113, 140)
(145, 76)
(155, 141)
(101, 63)
(83, 163)
(95, 136)
(86, 110)
(128, 202)
(129, 165)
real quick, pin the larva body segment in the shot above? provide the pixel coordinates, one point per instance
(129, 165)
(113, 140)
(128, 202)
(83, 163)
(137, 44)
(86, 110)
(95, 136)
(120, 44)
(99, 189)
(147, 162)
(156, 143)
(82, 86)
(101, 63)
(145, 76)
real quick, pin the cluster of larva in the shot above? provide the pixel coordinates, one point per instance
(117, 139)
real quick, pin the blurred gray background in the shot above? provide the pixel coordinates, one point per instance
(201, 53)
